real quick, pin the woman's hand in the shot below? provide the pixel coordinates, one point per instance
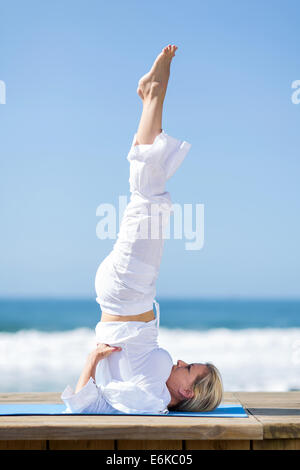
(89, 370)
(104, 350)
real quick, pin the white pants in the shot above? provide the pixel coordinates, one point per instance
(126, 279)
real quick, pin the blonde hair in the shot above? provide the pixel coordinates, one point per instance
(208, 393)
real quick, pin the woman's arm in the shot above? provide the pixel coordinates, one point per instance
(101, 352)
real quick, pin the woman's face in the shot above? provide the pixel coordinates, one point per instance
(181, 380)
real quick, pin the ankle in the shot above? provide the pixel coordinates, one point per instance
(156, 91)
(153, 103)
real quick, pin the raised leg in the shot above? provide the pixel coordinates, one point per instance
(126, 280)
(152, 89)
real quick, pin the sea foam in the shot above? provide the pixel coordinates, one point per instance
(249, 359)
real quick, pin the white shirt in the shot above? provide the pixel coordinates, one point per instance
(129, 381)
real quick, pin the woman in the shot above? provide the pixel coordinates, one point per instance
(128, 372)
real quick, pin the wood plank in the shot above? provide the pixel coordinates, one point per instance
(149, 444)
(23, 445)
(277, 444)
(218, 445)
(278, 412)
(128, 427)
(290, 400)
(32, 397)
(79, 444)
(68, 427)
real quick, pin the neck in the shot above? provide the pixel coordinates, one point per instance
(174, 398)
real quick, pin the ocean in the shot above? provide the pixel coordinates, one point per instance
(254, 343)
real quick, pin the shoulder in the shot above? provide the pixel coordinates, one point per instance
(162, 353)
(161, 363)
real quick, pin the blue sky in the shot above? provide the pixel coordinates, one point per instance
(71, 70)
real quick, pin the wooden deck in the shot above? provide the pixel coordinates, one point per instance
(273, 423)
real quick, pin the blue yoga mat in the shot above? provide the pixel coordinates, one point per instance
(20, 409)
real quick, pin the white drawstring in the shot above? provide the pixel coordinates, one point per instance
(157, 312)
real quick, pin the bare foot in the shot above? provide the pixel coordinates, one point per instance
(155, 82)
